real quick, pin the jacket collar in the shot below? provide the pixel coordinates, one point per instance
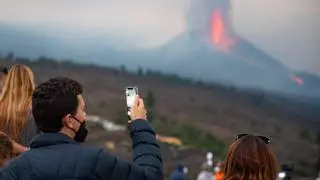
(49, 139)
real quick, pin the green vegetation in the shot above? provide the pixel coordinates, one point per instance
(140, 71)
(190, 135)
(305, 135)
(150, 104)
(122, 118)
(299, 171)
(318, 143)
(318, 138)
(123, 69)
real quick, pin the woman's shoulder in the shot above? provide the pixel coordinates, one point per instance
(30, 123)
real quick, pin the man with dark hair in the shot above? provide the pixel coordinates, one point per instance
(59, 111)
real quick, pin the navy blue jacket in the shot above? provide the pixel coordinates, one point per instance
(178, 174)
(54, 156)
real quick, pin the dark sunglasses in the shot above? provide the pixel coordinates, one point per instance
(263, 138)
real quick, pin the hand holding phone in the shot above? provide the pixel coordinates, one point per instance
(131, 93)
(135, 105)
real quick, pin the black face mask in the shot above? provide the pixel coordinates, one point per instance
(82, 132)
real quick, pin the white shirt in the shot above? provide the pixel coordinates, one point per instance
(205, 175)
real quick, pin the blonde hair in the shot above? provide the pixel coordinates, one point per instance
(15, 100)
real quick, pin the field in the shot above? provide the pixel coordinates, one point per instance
(206, 117)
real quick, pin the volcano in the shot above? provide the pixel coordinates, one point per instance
(208, 50)
(211, 50)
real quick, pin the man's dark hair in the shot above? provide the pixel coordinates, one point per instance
(54, 99)
(4, 70)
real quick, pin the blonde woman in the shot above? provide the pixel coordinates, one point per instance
(15, 105)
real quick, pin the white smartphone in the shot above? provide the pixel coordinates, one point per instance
(131, 93)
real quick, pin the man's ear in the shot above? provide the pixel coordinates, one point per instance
(67, 121)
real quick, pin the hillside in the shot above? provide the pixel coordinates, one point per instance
(220, 111)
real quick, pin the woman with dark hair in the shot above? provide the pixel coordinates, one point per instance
(250, 158)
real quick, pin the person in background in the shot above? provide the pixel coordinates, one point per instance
(249, 158)
(3, 75)
(15, 106)
(57, 153)
(218, 171)
(6, 149)
(179, 173)
(286, 172)
(206, 173)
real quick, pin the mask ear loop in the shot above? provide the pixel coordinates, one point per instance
(77, 121)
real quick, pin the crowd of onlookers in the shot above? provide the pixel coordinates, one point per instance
(207, 172)
(42, 130)
(248, 158)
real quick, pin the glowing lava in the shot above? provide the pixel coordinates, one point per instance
(299, 81)
(219, 34)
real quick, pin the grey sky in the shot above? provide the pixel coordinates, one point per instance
(287, 29)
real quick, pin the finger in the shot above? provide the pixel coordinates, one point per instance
(141, 103)
(136, 101)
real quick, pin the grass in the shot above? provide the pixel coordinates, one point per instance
(190, 135)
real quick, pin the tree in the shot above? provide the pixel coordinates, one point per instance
(318, 138)
(304, 134)
(122, 117)
(9, 56)
(318, 143)
(123, 69)
(140, 71)
(150, 102)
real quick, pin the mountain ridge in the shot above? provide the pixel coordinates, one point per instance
(186, 55)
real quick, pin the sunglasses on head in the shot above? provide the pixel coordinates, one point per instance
(263, 138)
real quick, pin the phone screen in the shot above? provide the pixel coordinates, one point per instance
(131, 93)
